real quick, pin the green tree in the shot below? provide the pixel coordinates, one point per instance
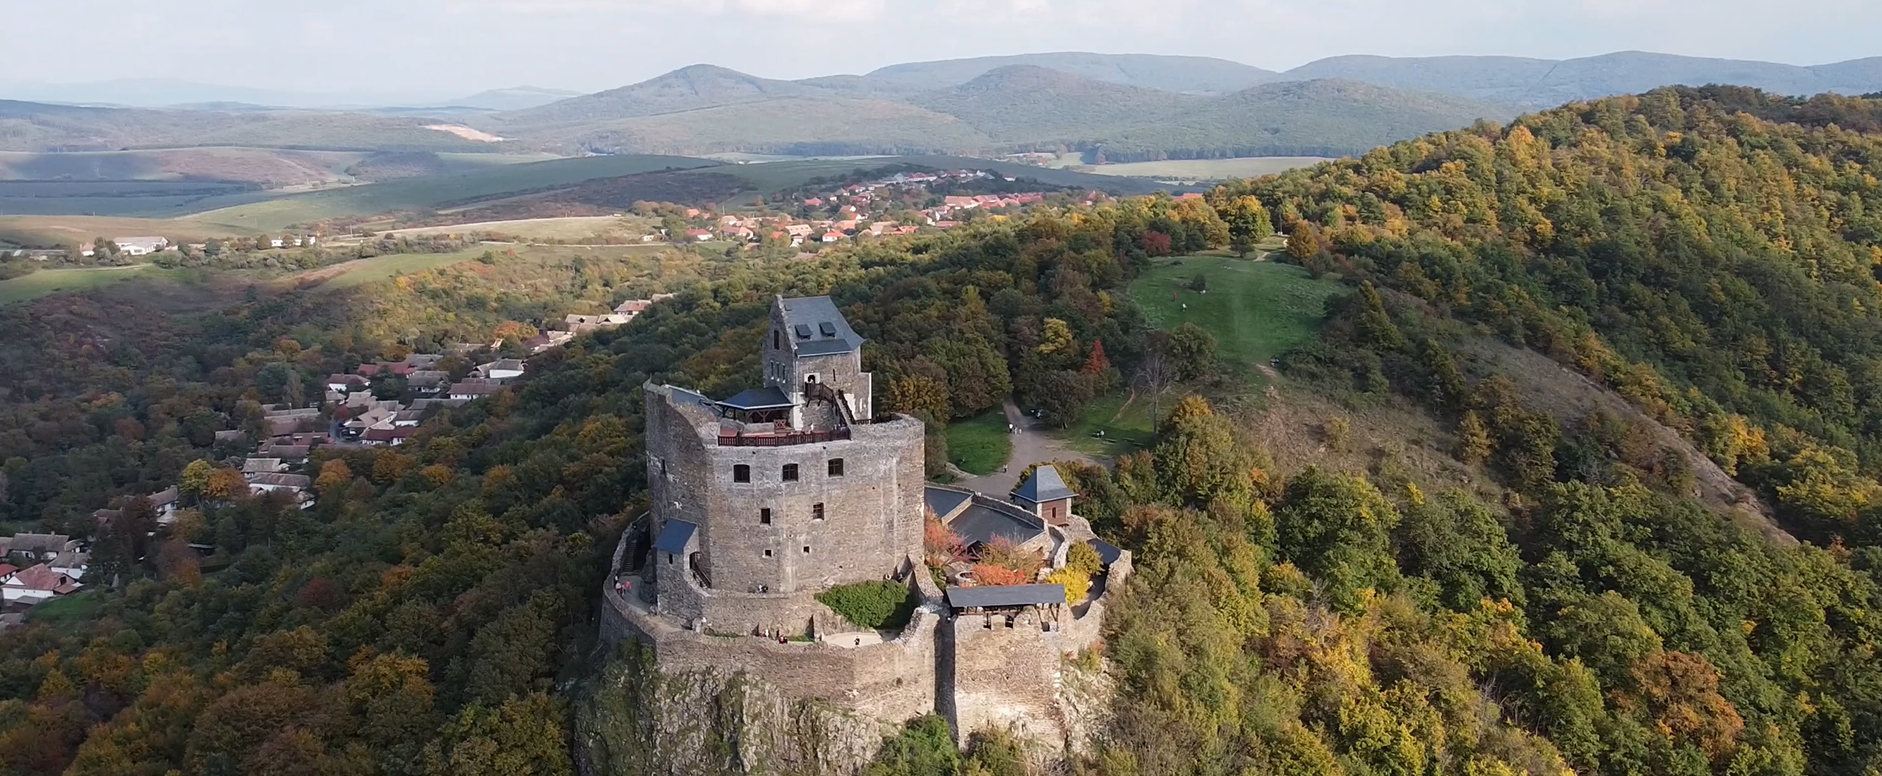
(1336, 528)
(1248, 220)
(1192, 351)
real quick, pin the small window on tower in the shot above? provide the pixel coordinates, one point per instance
(767, 553)
(741, 473)
(836, 467)
(816, 511)
(806, 549)
(764, 516)
(776, 340)
(790, 472)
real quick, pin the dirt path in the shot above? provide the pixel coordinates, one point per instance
(1031, 445)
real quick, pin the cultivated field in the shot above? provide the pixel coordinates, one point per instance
(436, 192)
(1256, 309)
(1201, 169)
(570, 228)
(73, 230)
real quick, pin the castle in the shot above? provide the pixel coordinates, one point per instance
(760, 501)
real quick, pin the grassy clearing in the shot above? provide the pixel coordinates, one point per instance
(1125, 422)
(1202, 169)
(354, 273)
(980, 445)
(52, 281)
(74, 230)
(74, 608)
(1256, 309)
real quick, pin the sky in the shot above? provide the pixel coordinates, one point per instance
(447, 47)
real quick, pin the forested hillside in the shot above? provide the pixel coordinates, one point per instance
(1561, 602)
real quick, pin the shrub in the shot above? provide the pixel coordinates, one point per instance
(1083, 558)
(881, 605)
(1077, 585)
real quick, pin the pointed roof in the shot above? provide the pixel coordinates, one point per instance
(1044, 485)
(817, 328)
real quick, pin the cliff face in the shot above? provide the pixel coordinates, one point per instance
(639, 721)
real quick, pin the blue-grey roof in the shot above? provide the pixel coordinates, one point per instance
(758, 399)
(1005, 595)
(981, 525)
(1045, 484)
(674, 536)
(1107, 552)
(944, 501)
(817, 328)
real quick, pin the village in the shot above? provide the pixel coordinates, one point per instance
(378, 404)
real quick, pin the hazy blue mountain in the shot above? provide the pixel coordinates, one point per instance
(1531, 83)
(1194, 75)
(1030, 104)
(513, 98)
(165, 92)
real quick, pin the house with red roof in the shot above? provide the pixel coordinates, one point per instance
(36, 584)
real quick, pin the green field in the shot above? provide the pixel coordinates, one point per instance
(980, 445)
(51, 281)
(434, 191)
(1202, 169)
(74, 608)
(1124, 420)
(1257, 310)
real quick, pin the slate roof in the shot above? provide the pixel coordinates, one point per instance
(758, 399)
(1005, 596)
(944, 501)
(674, 536)
(817, 328)
(1045, 484)
(981, 525)
(1107, 552)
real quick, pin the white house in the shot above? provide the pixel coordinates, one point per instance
(141, 246)
(35, 584)
(501, 369)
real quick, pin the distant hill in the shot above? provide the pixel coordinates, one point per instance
(170, 92)
(1532, 83)
(803, 126)
(514, 98)
(1327, 117)
(1031, 104)
(688, 88)
(1195, 75)
(38, 127)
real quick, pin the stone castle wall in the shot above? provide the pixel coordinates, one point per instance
(763, 576)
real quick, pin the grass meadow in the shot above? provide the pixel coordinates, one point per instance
(1257, 310)
(980, 445)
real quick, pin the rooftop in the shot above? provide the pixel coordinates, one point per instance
(674, 536)
(759, 399)
(982, 524)
(994, 597)
(1045, 484)
(817, 328)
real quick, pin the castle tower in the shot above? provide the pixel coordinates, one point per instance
(765, 499)
(811, 344)
(1046, 494)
